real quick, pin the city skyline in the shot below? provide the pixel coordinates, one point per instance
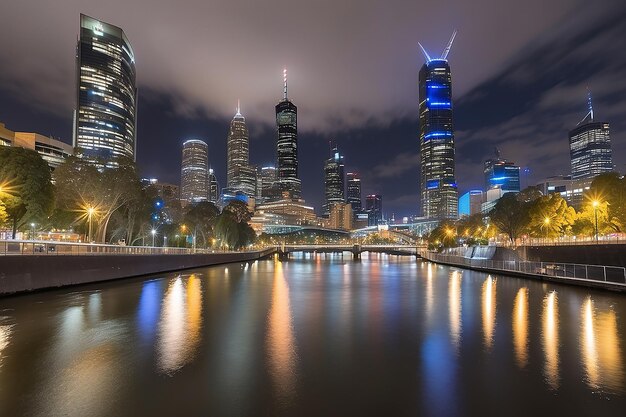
(393, 171)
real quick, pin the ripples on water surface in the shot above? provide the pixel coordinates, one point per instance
(315, 336)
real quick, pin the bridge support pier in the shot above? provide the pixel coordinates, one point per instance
(283, 255)
(356, 252)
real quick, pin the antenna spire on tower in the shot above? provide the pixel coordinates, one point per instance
(444, 54)
(238, 108)
(589, 103)
(425, 53)
(285, 83)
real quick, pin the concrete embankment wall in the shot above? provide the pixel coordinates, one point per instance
(22, 273)
(592, 254)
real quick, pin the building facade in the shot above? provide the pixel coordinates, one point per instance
(353, 193)
(341, 216)
(240, 176)
(106, 94)
(439, 194)
(214, 187)
(334, 181)
(590, 147)
(374, 209)
(53, 151)
(287, 146)
(266, 177)
(194, 183)
(503, 174)
(470, 202)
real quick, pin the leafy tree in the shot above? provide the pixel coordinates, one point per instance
(240, 210)
(510, 216)
(246, 235)
(27, 191)
(550, 216)
(226, 229)
(610, 188)
(444, 235)
(200, 218)
(585, 223)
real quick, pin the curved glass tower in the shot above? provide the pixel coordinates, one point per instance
(287, 145)
(439, 194)
(106, 109)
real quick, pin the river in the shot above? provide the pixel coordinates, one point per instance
(315, 336)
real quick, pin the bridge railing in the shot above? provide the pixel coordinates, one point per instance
(601, 273)
(37, 247)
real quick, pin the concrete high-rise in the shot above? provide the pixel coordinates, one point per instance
(354, 191)
(106, 94)
(240, 176)
(439, 194)
(194, 183)
(214, 187)
(590, 147)
(334, 181)
(287, 146)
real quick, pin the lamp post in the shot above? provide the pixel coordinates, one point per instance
(595, 204)
(153, 232)
(546, 222)
(90, 211)
(32, 231)
(164, 241)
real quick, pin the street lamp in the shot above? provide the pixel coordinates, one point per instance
(32, 231)
(164, 241)
(153, 232)
(90, 212)
(595, 205)
(546, 222)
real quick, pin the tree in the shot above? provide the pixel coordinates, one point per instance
(200, 219)
(27, 191)
(510, 216)
(444, 235)
(227, 229)
(550, 216)
(610, 188)
(82, 184)
(240, 210)
(585, 223)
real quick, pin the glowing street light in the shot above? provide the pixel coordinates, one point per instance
(595, 204)
(90, 213)
(153, 232)
(32, 231)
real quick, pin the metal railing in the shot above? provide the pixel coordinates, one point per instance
(46, 247)
(600, 273)
(566, 241)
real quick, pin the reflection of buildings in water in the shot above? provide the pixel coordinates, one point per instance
(520, 327)
(280, 339)
(550, 319)
(454, 308)
(489, 310)
(179, 325)
(600, 348)
(429, 292)
(5, 338)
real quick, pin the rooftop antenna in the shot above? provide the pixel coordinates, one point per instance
(590, 107)
(285, 83)
(444, 54)
(497, 152)
(238, 108)
(424, 52)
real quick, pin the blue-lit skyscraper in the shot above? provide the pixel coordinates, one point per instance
(439, 194)
(502, 174)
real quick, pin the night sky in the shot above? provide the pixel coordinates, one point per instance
(520, 76)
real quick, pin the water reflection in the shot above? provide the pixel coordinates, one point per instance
(429, 291)
(5, 338)
(454, 308)
(550, 319)
(179, 325)
(489, 311)
(600, 348)
(520, 327)
(280, 337)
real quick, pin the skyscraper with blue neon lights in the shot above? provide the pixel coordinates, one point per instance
(439, 193)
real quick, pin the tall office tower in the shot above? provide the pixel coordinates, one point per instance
(194, 182)
(287, 145)
(334, 181)
(502, 174)
(239, 175)
(267, 177)
(106, 95)
(374, 209)
(354, 191)
(439, 194)
(590, 147)
(214, 187)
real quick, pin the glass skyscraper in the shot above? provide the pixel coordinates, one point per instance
(439, 194)
(590, 147)
(287, 146)
(334, 181)
(106, 102)
(194, 182)
(214, 187)
(502, 174)
(354, 191)
(374, 209)
(240, 176)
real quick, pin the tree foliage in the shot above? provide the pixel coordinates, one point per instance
(550, 216)
(199, 218)
(510, 216)
(27, 193)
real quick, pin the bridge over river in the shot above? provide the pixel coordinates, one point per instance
(356, 250)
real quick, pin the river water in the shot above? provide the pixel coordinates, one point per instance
(315, 336)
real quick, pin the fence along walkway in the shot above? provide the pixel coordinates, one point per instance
(614, 276)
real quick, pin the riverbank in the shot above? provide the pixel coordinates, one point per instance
(25, 273)
(594, 276)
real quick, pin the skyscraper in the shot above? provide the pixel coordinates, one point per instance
(106, 95)
(354, 191)
(194, 183)
(590, 147)
(439, 194)
(239, 175)
(287, 145)
(214, 187)
(502, 174)
(334, 181)
(374, 209)
(267, 177)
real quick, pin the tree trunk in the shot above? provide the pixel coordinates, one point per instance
(14, 227)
